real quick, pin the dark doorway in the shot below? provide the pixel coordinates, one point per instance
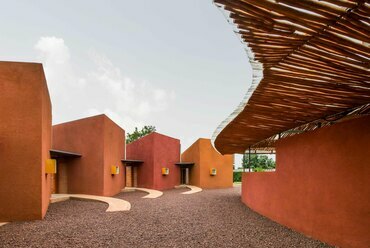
(184, 174)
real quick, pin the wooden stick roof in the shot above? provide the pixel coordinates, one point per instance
(310, 60)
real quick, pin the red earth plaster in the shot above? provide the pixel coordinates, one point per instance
(157, 151)
(321, 187)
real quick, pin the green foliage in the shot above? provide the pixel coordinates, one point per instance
(137, 134)
(258, 162)
(258, 169)
(237, 176)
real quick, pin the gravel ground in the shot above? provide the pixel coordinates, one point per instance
(211, 218)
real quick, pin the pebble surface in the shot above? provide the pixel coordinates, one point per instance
(211, 218)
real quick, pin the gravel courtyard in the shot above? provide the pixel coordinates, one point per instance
(212, 218)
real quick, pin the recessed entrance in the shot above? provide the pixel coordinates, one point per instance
(59, 181)
(185, 172)
(131, 171)
(131, 176)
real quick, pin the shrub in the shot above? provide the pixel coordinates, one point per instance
(258, 161)
(237, 176)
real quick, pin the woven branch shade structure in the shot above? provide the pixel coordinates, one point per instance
(310, 60)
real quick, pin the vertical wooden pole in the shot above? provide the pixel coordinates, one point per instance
(249, 159)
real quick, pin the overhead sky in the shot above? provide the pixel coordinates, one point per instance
(173, 64)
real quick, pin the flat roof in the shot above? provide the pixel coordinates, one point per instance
(63, 154)
(185, 164)
(132, 161)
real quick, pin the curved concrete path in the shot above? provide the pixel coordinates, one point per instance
(193, 190)
(152, 193)
(114, 203)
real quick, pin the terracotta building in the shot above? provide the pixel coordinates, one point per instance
(25, 140)
(92, 164)
(332, 186)
(210, 169)
(151, 162)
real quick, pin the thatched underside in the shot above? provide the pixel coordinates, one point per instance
(316, 65)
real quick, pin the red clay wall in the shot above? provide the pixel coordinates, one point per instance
(143, 149)
(46, 136)
(321, 186)
(210, 158)
(25, 128)
(101, 144)
(114, 152)
(157, 151)
(166, 154)
(206, 157)
(192, 154)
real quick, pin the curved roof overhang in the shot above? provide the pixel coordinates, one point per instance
(310, 60)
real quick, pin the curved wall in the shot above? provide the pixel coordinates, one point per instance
(321, 187)
(205, 157)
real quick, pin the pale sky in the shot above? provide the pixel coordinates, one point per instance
(174, 64)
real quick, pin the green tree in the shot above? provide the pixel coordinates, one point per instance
(257, 162)
(137, 134)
